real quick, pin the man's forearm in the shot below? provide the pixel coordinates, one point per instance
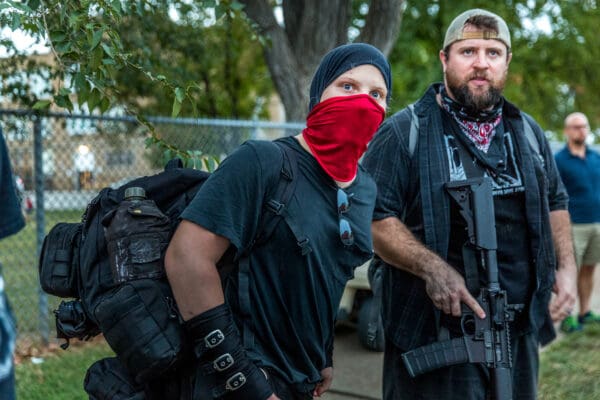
(397, 246)
(560, 223)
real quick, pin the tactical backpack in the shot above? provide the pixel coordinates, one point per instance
(136, 313)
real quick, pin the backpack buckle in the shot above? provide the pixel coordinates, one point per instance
(304, 247)
(275, 206)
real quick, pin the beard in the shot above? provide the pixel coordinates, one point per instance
(473, 102)
(578, 141)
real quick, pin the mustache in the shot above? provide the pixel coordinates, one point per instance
(479, 76)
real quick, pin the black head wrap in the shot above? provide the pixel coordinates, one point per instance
(342, 59)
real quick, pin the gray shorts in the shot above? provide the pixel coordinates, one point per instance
(586, 238)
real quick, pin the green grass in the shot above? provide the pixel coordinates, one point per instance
(18, 255)
(570, 367)
(60, 376)
(569, 370)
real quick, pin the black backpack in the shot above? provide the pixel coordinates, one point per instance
(138, 315)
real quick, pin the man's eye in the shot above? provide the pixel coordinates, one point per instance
(468, 52)
(347, 86)
(376, 94)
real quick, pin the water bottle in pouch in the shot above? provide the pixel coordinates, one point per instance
(137, 235)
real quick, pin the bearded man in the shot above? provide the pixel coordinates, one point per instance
(464, 128)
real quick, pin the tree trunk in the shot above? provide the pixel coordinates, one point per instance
(382, 24)
(312, 28)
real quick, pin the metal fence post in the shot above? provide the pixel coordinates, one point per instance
(38, 148)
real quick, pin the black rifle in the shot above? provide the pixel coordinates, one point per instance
(485, 341)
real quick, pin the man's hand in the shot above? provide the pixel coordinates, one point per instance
(447, 289)
(565, 286)
(325, 384)
(565, 289)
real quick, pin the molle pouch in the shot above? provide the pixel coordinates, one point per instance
(59, 260)
(141, 324)
(106, 379)
(137, 235)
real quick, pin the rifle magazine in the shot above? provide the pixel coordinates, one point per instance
(436, 355)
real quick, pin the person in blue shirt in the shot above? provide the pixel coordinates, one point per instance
(11, 221)
(579, 167)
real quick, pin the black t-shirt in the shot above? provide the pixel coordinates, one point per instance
(294, 298)
(515, 269)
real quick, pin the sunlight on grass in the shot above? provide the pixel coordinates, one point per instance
(570, 368)
(60, 376)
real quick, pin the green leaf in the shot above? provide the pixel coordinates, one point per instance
(16, 22)
(149, 141)
(104, 104)
(57, 36)
(116, 6)
(21, 7)
(94, 99)
(108, 50)
(42, 104)
(63, 47)
(176, 107)
(237, 6)
(179, 94)
(64, 102)
(96, 58)
(96, 39)
(220, 10)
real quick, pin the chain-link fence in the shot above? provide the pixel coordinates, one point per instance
(61, 161)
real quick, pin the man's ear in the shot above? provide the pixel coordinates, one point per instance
(443, 59)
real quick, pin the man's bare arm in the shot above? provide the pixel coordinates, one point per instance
(565, 286)
(397, 246)
(190, 264)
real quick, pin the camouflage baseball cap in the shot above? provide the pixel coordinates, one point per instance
(456, 32)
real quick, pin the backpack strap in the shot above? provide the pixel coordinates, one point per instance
(414, 130)
(530, 135)
(275, 210)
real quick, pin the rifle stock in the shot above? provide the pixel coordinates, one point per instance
(485, 341)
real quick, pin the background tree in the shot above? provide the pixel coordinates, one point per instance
(555, 55)
(113, 51)
(309, 29)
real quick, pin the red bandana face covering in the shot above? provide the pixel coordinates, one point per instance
(338, 131)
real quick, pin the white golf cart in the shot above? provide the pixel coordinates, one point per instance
(359, 306)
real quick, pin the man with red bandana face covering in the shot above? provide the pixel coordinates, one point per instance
(277, 341)
(466, 129)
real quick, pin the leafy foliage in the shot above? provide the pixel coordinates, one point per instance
(555, 54)
(212, 59)
(148, 57)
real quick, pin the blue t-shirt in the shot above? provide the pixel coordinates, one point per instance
(11, 216)
(582, 180)
(294, 298)
(11, 221)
